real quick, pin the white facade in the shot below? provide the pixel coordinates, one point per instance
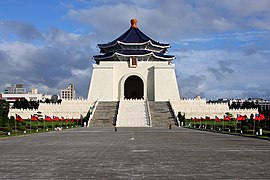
(109, 78)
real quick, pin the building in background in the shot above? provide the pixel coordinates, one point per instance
(15, 89)
(264, 105)
(68, 93)
(11, 98)
(18, 92)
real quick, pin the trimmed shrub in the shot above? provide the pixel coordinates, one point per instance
(6, 129)
(22, 128)
(35, 127)
(57, 125)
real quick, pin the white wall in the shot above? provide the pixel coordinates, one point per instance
(165, 84)
(67, 109)
(199, 108)
(108, 80)
(101, 83)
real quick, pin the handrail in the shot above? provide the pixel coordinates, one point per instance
(148, 115)
(116, 114)
(176, 120)
(92, 110)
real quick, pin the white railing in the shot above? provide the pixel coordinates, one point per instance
(92, 111)
(174, 113)
(147, 112)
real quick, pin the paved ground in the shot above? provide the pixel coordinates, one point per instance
(134, 153)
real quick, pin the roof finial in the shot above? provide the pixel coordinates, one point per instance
(134, 23)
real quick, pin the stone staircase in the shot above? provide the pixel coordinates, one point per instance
(161, 114)
(132, 113)
(105, 114)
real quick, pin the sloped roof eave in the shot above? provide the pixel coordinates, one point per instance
(127, 55)
(130, 44)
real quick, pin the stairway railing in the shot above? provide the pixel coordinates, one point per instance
(148, 114)
(116, 114)
(92, 111)
(176, 121)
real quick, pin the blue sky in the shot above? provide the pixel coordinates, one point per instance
(222, 48)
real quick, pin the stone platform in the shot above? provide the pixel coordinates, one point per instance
(133, 153)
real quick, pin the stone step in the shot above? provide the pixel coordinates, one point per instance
(105, 114)
(161, 114)
(132, 114)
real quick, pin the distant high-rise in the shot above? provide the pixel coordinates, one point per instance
(69, 92)
(15, 89)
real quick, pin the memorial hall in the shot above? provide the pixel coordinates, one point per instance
(134, 84)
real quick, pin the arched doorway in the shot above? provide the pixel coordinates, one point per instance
(133, 88)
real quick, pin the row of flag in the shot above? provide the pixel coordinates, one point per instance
(47, 118)
(258, 117)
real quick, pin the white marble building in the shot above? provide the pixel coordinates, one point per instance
(133, 67)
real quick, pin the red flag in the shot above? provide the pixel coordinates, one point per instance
(34, 118)
(67, 120)
(62, 118)
(48, 118)
(55, 118)
(19, 118)
(192, 119)
(226, 118)
(217, 119)
(207, 118)
(240, 118)
(202, 119)
(259, 117)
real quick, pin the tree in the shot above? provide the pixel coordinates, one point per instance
(48, 101)
(17, 104)
(4, 110)
(59, 101)
(33, 104)
(181, 118)
(22, 104)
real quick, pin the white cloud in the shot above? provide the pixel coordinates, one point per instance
(62, 57)
(173, 19)
(220, 73)
(54, 58)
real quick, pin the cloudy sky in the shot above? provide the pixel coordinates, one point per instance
(222, 47)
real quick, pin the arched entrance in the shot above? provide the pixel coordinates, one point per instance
(133, 88)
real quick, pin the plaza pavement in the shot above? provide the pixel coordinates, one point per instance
(134, 153)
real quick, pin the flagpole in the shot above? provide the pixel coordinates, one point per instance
(236, 122)
(15, 127)
(30, 126)
(254, 127)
